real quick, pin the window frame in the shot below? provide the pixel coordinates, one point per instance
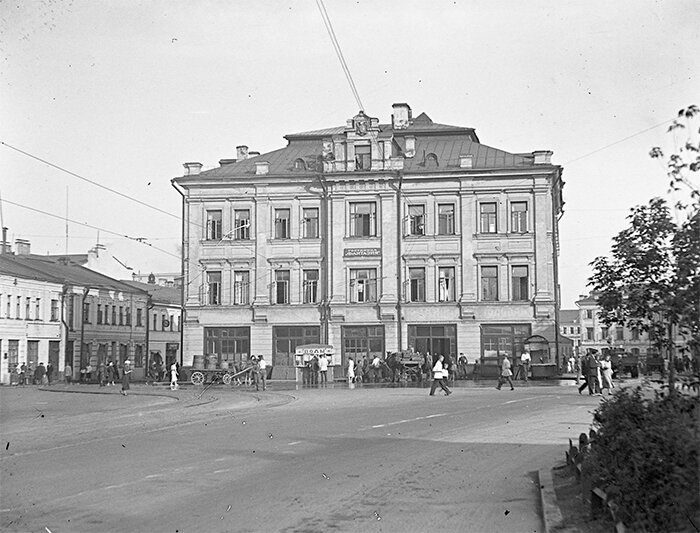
(241, 288)
(446, 222)
(284, 285)
(519, 222)
(489, 284)
(282, 225)
(520, 290)
(310, 286)
(488, 220)
(416, 220)
(310, 224)
(241, 226)
(214, 225)
(213, 297)
(446, 293)
(363, 221)
(416, 279)
(363, 157)
(368, 282)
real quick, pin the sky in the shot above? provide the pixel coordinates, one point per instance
(123, 93)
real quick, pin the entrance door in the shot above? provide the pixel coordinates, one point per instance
(359, 341)
(32, 354)
(54, 354)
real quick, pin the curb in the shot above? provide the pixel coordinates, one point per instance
(551, 514)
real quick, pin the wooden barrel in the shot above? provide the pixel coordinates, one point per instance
(212, 361)
(198, 362)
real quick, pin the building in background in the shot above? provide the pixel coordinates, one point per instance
(164, 325)
(372, 238)
(101, 319)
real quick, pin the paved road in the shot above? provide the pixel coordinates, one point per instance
(363, 459)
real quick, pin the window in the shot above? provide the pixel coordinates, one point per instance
(504, 340)
(487, 217)
(114, 315)
(127, 320)
(54, 311)
(155, 321)
(518, 217)
(311, 223)
(241, 287)
(363, 219)
(446, 219)
(281, 223)
(635, 334)
(170, 322)
(214, 225)
(589, 313)
(139, 318)
(8, 310)
(282, 286)
(299, 164)
(431, 161)
(27, 307)
(241, 220)
(363, 157)
(37, 309)
(446, 289)
(138, 355)
(99, 313)
(604, 333)
(619, 334)
(86, 312)
(164, 322)
(416, 277)
(363, 285)
(121, 315)
(520, 283)
(589, 334)
(310, 286)
(214, 288)
(416, 220)
(18, 308)
(489, 283)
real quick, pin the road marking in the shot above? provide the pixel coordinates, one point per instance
(521, 400)
(409, 420)
(295, 442)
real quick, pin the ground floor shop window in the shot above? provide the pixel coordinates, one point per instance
(440, 339)
(231, 345)
(138, 355)
(503, 340)
(285, 340)
(359, 341)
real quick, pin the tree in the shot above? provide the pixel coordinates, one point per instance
(652, 279)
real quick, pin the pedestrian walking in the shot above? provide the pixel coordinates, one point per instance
(49, 372)
(374, 368)
(592, 376)
(68, 373)
(607, 372)
(462, 364)
(110, 373)
(323, 369)
(126, 376)
(39, 374)
(439, 377)
(506, 374)
(351, 370)
(173, 377)
(262, 365)
(101, 374)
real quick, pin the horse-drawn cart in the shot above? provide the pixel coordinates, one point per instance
(202, 376)
(408, 365)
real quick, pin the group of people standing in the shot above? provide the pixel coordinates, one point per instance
(24, 375)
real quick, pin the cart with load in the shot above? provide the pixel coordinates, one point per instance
(208, 370)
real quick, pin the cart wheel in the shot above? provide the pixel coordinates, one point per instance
(197, 378)
(226, 379)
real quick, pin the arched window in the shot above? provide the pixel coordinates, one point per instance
(299, 164)
(431, 161)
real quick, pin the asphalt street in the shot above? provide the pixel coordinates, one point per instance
(314, 459)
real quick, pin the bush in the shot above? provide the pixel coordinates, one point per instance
(645, 456)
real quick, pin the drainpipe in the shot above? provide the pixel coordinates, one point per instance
(149, 305)
(86, 291)
(399, 271)
(325, 306)
(64, 324)
(555, 264)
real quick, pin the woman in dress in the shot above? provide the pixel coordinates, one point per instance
(606, 374)
(173, 377)
(126, 376)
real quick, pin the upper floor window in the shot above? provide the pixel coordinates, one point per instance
(311, 223)
(54, 310)
(282, 286)
(589, 313)
(299, 164)
(446, 288)
(489, 283)
(114, 315)
(241, 221)
(106, 315)
(214, 225)
(139, 317)
(363, 219)
(281, 223)
(431, 161)
(416, 277)
(487, 217)
(589, 334)
(127, 318)
(18, 308)
(635, 334)
(310, 286)
(121, 315)
(8, 309)
(214, 288)
(363, 285)
(416, 220)
(619, 333)
(363, 157)
(99, 313)
(241, 287)
(27, 307)
(37, 309)
(86, 312)
(446, 219)
(520, 283)
(518, 217)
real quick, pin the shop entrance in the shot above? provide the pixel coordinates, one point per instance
(358, 342)
(438, 339)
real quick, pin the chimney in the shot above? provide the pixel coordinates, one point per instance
(4, 249)
(262, 167)
(22, 247)
(192, 169)
(223, 162)
(401, 118)
(242, 152)
(410, 150)
(466, 161)
(253, 154)
(543, 157)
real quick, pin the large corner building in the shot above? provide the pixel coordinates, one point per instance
(372, 238)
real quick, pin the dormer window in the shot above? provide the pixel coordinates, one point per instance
(431, 161)
(363, 157)
(299, 164)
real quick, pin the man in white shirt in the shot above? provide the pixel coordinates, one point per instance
(262, 366)
(374, 368)
(323, 368)
(525, 363)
